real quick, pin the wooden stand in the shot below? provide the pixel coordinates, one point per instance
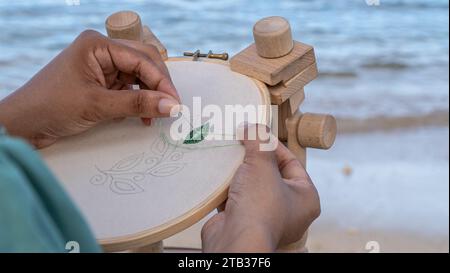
(286, 66)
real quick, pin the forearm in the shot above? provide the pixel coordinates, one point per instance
(7, 113)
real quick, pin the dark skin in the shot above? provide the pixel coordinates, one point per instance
(272, 200)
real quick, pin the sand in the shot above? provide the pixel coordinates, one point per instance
(388, 189)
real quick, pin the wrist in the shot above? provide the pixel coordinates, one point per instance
(6, 115)
(242, 236)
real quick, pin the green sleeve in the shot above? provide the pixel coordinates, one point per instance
(36, 215)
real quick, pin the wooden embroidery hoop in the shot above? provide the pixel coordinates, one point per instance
(153, 237)
(150, 239)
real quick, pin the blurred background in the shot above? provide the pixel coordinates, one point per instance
(384, 75)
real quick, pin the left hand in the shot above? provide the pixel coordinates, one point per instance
(86, 84)
(271, 202)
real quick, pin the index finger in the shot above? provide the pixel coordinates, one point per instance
(149, 50)
(133, 61)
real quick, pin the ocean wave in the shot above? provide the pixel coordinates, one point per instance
(385, 65)
(418, 4)
(336, 74)
(439, 118)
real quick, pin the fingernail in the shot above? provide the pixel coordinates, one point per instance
(165, 105)
(242, 125)
(240, 130)
(147, 121)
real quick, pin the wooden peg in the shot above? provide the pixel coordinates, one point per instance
(316, 131)
(273, 37)
(124, 25)
(127, 25)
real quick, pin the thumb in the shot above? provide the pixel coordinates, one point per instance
(253, 137)
(136, 103)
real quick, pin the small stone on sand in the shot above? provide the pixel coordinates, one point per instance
(347, 170)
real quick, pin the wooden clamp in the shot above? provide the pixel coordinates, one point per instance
(274, 57)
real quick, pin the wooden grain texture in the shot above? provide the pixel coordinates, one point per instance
(273, 71)
(316, 131)
(157, 247)
(273, 37)
(150, 38)
(283, 91)
(284, 112)
(124, 25)
(296, 100)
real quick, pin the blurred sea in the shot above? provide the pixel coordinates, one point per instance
(387, 60)
(382, 68)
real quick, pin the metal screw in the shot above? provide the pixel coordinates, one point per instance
(210, 54)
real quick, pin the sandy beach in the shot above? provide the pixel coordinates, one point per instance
(392, 188)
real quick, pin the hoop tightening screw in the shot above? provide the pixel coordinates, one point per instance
(197, 54)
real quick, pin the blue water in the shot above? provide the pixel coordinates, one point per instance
(388, 60)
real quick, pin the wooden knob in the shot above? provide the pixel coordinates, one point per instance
(273, 37)
(124, 25)
(316, 131)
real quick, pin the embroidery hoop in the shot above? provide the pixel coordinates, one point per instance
(177, 224)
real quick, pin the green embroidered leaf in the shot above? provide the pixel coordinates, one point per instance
(197, 135)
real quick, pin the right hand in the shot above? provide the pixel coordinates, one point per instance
(86, 84)
(271, 202)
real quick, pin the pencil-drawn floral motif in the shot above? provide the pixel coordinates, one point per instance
(126, 175)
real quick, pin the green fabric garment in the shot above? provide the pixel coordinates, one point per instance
(36, 215)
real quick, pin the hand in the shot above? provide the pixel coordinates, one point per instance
(86, 84)
(271, 202)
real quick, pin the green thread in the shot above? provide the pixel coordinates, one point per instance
(192, 146)
(197, 135)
